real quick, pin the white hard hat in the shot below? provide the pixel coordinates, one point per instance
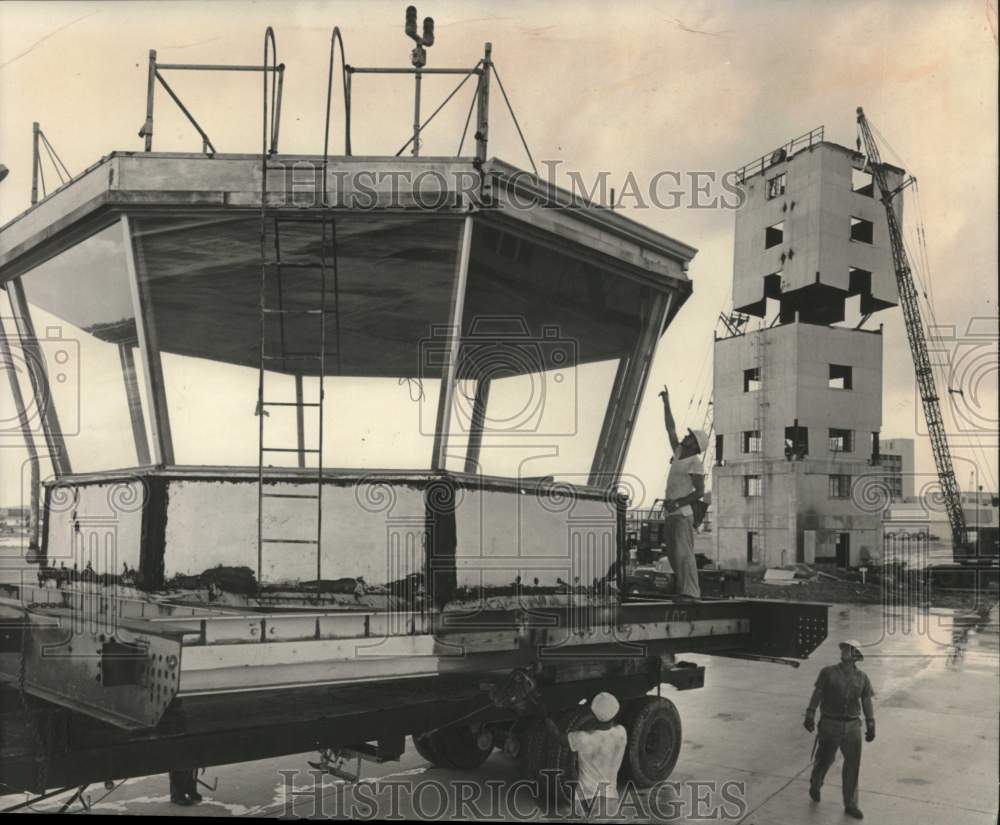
(854, 643)
(604, 706)
(701, 437)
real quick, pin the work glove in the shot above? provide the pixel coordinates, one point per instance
(870, 732)
(809, 723)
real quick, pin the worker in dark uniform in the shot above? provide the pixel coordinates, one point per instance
(842, 692)
(184, 787)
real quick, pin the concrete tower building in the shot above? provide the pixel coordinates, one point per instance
(798, 399)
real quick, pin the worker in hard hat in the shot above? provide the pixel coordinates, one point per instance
(599, 746)
(685, 486)
(842, 692)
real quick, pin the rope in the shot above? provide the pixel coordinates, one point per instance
(517, 125)
(41, 178)
(110, 791)
(417, 395)
(801, 771)
(52, 160)
(468, 117)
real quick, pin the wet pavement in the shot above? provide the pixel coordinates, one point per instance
(745, 756)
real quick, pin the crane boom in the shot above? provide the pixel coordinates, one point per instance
(918, 344)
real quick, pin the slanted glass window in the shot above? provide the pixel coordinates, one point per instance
(545, 337)
(200, 280)
(81, 334)
(19, 412)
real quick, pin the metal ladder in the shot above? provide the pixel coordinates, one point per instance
(760, 464)
(283, 361)
(273, 270)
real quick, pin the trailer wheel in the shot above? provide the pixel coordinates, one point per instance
(459, 747)
(560, 759)
(654, 740)
(531, 747)
(424, 744)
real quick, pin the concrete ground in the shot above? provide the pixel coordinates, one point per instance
(935, 759)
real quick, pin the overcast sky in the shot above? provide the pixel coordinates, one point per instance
(639, 87)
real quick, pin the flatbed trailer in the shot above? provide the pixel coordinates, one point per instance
(179, 687)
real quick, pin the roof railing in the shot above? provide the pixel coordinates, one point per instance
(780, 155)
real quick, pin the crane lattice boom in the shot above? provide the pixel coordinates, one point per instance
(918, 343)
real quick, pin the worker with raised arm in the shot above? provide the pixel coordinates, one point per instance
(842, 691)
(599, 746)
(685, 486)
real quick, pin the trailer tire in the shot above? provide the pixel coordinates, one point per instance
(653, 725)
(557, 758)
(532, 748)
(424, 744)
(456, 747)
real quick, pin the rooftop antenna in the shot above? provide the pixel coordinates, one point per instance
(418, 57)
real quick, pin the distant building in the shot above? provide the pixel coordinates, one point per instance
(896, 460)
(798, 401)
(13, 519)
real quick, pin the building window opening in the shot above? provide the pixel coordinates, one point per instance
(751, 486)
(841, 441)
(775, 235)
(862, 183)
(776, 186)
(751, 379)
(840, 486)
(719, 455)
(753, 547)
(862, 231)
(841, 377)
(796, 442)
(751, 441)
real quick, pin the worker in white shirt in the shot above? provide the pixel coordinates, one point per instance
(600, 748)
(685, 486)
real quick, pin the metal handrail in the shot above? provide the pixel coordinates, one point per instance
(207, 146)
(780, 155)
